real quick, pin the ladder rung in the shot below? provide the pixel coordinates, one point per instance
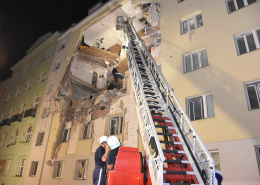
(176, 161)
(160, 126)
(159, 120)
(179, 172)
(173, 151)
(167, 142)
(166, 134)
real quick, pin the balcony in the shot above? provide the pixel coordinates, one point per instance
(30, 113)
(17, 117)
(6, 122)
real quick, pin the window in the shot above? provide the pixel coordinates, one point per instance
(115, 125)
(2, 117)
(195, 60)
(40, 138)
(36, 102)
(51, 88)
(191, 23)
(233, 5)
(180, 1)
(248, 41)
(57, 172)
(4, 139)
(57, 65)
(87, 130)
(43, 77)
(22, 110)
(257, 151)
(29, 85)
(253, 95)
(45, 113)
(15, 138)
(18, 92)
(28, 134)
(62, 46)
(12, 113)
(94, 78)
(81, 168)
(215, 156)
(8, 166)
(21, 167)
(65, 134)
(8, 97)
(200, 107)
(33, 169)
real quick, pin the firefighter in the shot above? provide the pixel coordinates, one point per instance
(99, 175)
(114, 144)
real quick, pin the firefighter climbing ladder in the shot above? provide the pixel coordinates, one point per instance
(174, 151)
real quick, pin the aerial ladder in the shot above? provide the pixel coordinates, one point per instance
(174, 152)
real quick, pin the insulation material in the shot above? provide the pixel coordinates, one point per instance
(153, 17)
(156, 52)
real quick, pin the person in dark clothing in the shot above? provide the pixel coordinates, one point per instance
(99, 175)
(114, 144)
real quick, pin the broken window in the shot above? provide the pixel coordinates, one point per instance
(66, 132)
(21, 167)
(15, 138)
(34, 167)
(8, 97)
(8, 166)
(12, 113)
(4, 139)
(58, 167)
(28, 134)
(81, 168)
(191, 23)
(253, 95)
(45, 113)
(200, 107)
(233, 5)
(87, 130)
(247, 42)
(18, 92)
(57, 65)
(36, 102)
(29, 85)
(115, 125)
(94, 78)
(195, 60)
(40, 138)
(43, 77)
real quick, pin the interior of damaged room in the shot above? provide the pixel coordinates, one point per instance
(96, 84)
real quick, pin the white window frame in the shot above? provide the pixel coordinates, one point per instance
(29, 85)
(256, 39)
(18, 91)
(43, 77)
(68, 134)
(257, 152)
(204, 107)
(77, 171)
(191, 58)
(23, 108)
(36, 102)
(57, 65)
(8, 166)
(8, 97)
(58, 174)
(21, 167)
(39, 136)
(120, 124)
(188, 25)
(236, 6)
(4, 140)
(28, 134)
(34, 167)
(257, 89)
(12, 113)
(87, 130)
(215, 151)
(15, 137)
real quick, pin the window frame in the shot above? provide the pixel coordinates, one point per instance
(4, 140)
(55, 171)
(36, 102)
(32, 169)
(257, 152)
(7, 167)
(120, 128)
(23, 108)
(29, 85)
(188, 26)
(2, 116)
(21, 166)
(256, 40)
(28, 133)
(179, 1)
(204, 107)
(43, 77)
(215, 151)
(12, 113)
(57, 65)
(88, 132)
(257, 90)
(15, 137)
(236, 6)
(76, 176)
(18, 91)
(45, 113)
(39, 141)
(68, 134)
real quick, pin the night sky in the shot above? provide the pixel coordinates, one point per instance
(22, 22)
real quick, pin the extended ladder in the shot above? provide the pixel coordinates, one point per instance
(174, 151)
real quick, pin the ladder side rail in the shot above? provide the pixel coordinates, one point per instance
(175, 105)
(143, 108)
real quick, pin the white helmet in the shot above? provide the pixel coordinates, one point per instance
(102, 139)
(113, 142)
